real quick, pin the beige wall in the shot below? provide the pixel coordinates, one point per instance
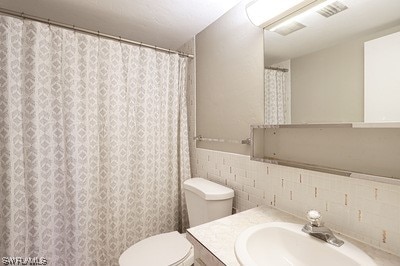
(328, 85)
(229, 80)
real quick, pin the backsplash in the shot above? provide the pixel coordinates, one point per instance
(366, 210)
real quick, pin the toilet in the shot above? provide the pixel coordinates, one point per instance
(206, 201)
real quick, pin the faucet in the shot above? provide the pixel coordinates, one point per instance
(317, 229)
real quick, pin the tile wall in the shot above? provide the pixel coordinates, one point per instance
(366, 210)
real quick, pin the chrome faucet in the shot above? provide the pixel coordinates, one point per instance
(317, 229)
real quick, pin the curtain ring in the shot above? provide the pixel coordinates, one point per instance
(23, 15)
(98, 33)
(73, 28)
(120, 39)
(48, 22)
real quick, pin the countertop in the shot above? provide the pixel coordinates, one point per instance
(219, 236)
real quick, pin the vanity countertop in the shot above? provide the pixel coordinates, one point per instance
(219, 236)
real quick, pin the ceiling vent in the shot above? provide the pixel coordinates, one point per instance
(332, 9)
(289, 28)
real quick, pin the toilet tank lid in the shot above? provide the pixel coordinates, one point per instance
(208, 190)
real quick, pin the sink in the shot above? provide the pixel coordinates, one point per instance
(284, 244)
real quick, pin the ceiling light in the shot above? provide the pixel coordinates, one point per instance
(270, 14)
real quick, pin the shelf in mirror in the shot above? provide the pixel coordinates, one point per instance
(362, 150)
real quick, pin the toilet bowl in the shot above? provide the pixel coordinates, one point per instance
(170, 249)
(206, 201)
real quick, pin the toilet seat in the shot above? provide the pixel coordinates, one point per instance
(167, 249)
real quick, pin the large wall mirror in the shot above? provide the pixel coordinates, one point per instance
(339, 64)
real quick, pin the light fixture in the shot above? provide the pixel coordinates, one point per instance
(272, 14)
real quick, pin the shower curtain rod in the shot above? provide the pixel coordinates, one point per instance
(278, 69)
(91, 32)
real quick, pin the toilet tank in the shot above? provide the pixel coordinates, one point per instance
(206, 201)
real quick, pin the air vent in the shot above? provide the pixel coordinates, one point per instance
(332, 9)
(289, 28)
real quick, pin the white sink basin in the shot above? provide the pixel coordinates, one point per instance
(281, 244)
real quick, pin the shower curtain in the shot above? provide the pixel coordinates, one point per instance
(276, 97)
(94, 144)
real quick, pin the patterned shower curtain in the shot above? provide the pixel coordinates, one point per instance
(276, 97)
(93, 141)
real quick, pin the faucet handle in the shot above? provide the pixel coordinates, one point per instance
(314, 217)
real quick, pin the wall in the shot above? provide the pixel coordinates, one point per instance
(336, 93)
(229, 71)
(366, 210)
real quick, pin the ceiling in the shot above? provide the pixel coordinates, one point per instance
(362, 17)
(164, 23)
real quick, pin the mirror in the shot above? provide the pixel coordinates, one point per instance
(339, 64)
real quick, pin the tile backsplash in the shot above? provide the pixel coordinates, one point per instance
(366, 210)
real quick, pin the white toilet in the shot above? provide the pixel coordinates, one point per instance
(206, 201)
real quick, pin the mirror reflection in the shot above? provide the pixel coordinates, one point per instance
(338, 64)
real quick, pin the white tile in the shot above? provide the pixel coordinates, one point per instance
(390, 224)
(335, 196)
(238, 171)
(249, 205)
(227, 175)
(256, 200)
(254, 191)
(262, 183)
(389, 197)
(365, 192)
(234, 185)
(225, 168)
(320, 182)
(216, 179)
(388, 211)
(392, 241)
(250, 174)
(378, 203)
(245, 181)
(338, 184)
(242, 194)
(366, 205)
